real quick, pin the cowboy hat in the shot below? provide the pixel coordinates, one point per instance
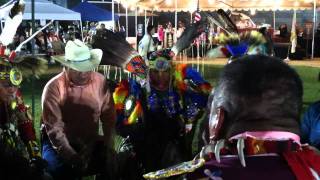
(79, 57)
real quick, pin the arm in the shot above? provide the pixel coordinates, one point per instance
(54, 125)
(108, 117)
(306, 124)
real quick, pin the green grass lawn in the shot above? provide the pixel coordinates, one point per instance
(309, 75)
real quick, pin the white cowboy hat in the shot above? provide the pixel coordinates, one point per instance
(79, 57)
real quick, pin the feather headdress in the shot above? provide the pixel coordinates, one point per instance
(118, 52)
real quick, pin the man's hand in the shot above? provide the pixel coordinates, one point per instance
(78, 163)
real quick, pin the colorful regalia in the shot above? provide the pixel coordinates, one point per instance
(157, 111)
(155, 120)
(17, 135)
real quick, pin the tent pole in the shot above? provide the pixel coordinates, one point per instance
(136, 26)
(145, 21)
(136, 21)
(274, 19)
(113, 15)
(152, 17)
(81, 29)
(33, 54)
(176, 20)
(314, 26)
(127, 21)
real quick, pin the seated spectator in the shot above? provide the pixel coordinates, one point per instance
(310, 125)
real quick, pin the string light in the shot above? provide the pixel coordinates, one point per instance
(211, 2)
(125, 5)
(140, 10)
(168, 2)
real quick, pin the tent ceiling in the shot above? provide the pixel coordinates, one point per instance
(46, 10)
(205, 5)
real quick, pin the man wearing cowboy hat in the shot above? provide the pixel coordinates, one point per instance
(73, 102)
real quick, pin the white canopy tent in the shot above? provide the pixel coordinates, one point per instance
(211, 5)
(46, 10)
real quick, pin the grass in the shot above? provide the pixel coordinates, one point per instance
(309, 76)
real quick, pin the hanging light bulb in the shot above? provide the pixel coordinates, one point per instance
(125, 4)
(132, 8)
(168, 2)
(252, 12)
(277, 4)
(140, 10)
(296, 3)
(211, 2)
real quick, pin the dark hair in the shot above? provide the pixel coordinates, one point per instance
(149, 28)
(259, 93)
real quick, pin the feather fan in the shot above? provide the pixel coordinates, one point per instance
(29, 65)
(118, 52)
(228, 23)
(187, 37)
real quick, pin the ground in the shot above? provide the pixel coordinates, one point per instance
(210, 69)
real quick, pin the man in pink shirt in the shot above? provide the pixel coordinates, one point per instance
(73, 103)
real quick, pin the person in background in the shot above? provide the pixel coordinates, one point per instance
(268, 45)
(310, 125)
(160, 35)
(147, 44)
(102, 29)
(73, 104)
(181, 28)
(168, 36)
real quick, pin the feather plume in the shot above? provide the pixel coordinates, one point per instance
(29, 65)
(187, 37)
(218, 52)
(215, 21)
(13, 20)
(5, 10)
(239, 44)
(227, 22)
(137, 112)
(118, 52)
(120, 94)
(254, 38)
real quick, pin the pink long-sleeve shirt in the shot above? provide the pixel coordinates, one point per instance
(71, 113)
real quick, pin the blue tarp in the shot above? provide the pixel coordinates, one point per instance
(90, 12)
